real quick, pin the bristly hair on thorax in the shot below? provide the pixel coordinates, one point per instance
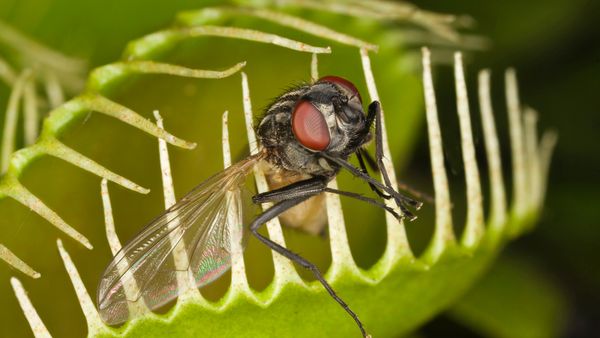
(273, 100)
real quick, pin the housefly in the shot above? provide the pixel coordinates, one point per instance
(307, 136)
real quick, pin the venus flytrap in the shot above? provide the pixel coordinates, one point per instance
(106, 76)
(437, 269)
(393, 297)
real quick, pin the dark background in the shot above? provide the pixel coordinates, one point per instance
(555, 47)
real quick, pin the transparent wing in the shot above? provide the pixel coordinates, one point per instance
(200, 223)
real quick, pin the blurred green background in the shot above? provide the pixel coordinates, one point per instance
(555, 47)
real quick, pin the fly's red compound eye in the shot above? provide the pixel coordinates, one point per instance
(309, 126)
(342, 82)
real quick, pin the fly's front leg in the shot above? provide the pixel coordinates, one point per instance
(401, 201)
(369, 159)
(359, 173)
(275, 211)
(364, 199)
(361, 162)
(371, 115)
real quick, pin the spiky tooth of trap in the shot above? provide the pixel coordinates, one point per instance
(239, 280)
(252, 35)
(497, 217)
(199, 17)
(443, 235)
(11, 118)
(108, 107)
(54, 147)
(185, 277)
(515, 123)
(14, 261)
(20, 194)
(130, 287)
(397, 243)
(30, 112)
(530, 118)
(94, 323)
(474, 227)
(105, 75)
(33, 319)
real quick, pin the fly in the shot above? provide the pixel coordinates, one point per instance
(307, 136)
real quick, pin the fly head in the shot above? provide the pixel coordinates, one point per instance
(326, 116)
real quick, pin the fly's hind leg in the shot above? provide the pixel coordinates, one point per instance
(311, 187)
(273, 212)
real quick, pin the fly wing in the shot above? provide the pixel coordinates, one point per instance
(203, 221)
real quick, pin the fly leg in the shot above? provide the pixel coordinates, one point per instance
(376, 107)
(363, 167)
(278, 209)
(369, 159)
(364, 199)
(309, 187)
(359, 173)
(314, 186)
(371, 115)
